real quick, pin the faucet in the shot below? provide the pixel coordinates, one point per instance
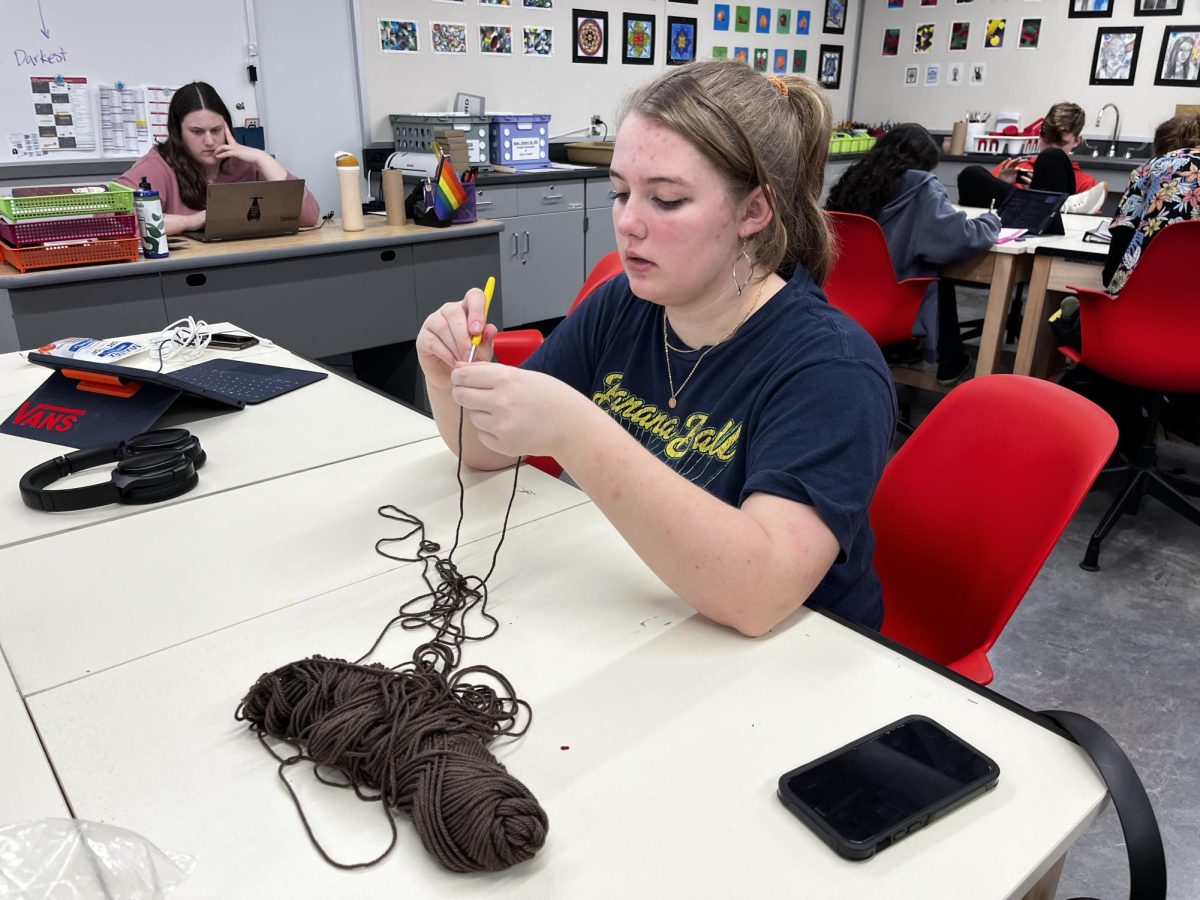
(1112, 147)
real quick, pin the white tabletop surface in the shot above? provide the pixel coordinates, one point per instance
(656, 742)
(331, 420)
(141, 583)
(27, 786)
(1073, 224)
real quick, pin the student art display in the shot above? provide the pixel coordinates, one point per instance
(891, 42)
(799, 61)
(762, 20)
(1179, 57)
(993, 38)
(721, 17)
(590, 30)
(1158, 7)
(912, 75)
(1114, 59)
(1031, 33)
(780, 66)
(495, 2)
(681, 33)
(977, 74)
(495, 40)
(538, 4)
(895, 4)
(955, 74)
(742, 55)
(741, 18)
(720, 53)
(835, 21)
(783, 21)
(448, 37)
(398, 36)
(1090, 9)
(829, 67)
(960, 34)
(923, 39)
(760, 59)
(803, 20)
(933, 75)
(537, 41)
(638, 29)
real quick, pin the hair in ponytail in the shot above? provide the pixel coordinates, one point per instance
(193, 185)
(778, 137)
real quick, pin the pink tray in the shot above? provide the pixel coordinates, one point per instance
(26, 234)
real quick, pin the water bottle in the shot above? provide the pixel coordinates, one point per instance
(349, 172)
(151, 224)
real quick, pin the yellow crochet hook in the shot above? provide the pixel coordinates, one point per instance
(488, 290)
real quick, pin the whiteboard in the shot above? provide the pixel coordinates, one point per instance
(1026, 81)
(137, 43)
(395, 82)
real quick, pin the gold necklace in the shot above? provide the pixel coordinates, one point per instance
(667, 347)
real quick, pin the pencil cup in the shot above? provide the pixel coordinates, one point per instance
(468, 211)
(393, 196)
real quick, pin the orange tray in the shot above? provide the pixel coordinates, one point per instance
(46, 256)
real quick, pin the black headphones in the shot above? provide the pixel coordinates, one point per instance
(154, 466)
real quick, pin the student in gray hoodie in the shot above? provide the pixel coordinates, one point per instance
(895, 185)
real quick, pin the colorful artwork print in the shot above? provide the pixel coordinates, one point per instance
(799, 61)
(923, 41)
(762, 20)
(829, 70)
(495, 2)
(783, 21)
(1090, 9)
(1115, 55)
(448, 37)
(741, 18)
(639, 39)
(682, 34)
(495, 40)
(960, 34)
(781, 62)
(590, 27)
(538, 4)
(398, 36)
(742, 55)
(720, 53)
(891, 42)
(993, 39)
(803, 21)
(895, 4)
(835, 19)
(1031, 33)
(721, 17)
(537, 41)
(760, 59)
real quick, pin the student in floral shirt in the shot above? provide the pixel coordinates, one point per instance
(1164, 190)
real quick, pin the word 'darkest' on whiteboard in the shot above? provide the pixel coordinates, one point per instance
(40, 57)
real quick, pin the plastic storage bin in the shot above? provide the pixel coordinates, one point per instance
(414, 133)
(23, 234)
(117, 199)
(845, 142)
(521, 141)
(47, 256)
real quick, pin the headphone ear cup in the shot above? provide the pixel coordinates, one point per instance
(178, 440)
(153, 477)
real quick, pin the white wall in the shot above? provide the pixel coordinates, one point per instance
(1027, 81)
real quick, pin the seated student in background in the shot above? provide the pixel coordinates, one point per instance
(1051, 170)
(895, 185)
(200, 150)
(730, 424)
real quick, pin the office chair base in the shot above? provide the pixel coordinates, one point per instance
(1170, 489)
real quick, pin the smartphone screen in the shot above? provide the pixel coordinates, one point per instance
(230, 340)
(862, 797)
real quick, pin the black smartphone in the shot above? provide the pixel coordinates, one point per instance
(867, 795)
(232, 340)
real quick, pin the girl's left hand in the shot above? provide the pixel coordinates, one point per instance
(516, 412)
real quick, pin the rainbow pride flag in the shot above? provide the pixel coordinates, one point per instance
(448, 193)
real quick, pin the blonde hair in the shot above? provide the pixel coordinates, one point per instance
(1063, 119)
(1177, 133)
(778, 138)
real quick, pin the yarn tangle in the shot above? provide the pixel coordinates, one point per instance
(414, 737)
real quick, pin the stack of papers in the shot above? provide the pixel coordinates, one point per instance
(1098, 235)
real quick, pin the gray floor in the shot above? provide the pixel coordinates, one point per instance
(1119, 645)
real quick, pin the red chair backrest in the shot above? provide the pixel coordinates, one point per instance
(862, 282)
(970, 507)
(608, 267)
(1147, 336)
(512, 348)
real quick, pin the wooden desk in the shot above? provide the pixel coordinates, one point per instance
(1057, 266)
(656, 742)
(329, 421)
(320, 292)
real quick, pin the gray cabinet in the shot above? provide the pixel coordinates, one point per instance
(41, 314)
(600, 238)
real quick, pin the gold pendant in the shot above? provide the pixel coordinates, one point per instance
(671, 403)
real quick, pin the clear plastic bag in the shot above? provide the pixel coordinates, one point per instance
(74, 859)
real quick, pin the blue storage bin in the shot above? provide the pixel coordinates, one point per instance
(520, 141)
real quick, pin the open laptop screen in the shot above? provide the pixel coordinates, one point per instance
(1030, 209)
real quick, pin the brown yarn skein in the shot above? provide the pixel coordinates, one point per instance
(415, 738)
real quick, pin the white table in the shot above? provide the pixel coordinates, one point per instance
(28, 789)
(656, 743)
(331, 420)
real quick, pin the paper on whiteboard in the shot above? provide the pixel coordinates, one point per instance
(124, 120)
(24, 146)
(63, 112)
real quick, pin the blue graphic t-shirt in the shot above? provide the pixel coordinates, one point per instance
(798, 403)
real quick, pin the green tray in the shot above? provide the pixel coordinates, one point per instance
(117, 199)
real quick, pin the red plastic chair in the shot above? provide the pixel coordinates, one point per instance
(514, 347)
(970, 507)
(1146, 337)
(863, 283)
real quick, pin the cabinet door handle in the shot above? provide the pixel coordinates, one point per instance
(516, 249)
(479, 204)
(196, 279)
(552, 197)
(526, 233)
(387, 255)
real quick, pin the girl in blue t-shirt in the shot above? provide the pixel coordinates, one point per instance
(726, 419)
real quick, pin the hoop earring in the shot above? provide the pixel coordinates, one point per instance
(741, 285)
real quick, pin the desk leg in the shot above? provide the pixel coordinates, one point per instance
(1036, 341)
(1047, 885)
(992, 338)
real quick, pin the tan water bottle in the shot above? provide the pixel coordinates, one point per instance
(349, 172)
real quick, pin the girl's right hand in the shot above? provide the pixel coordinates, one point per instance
(445, 338)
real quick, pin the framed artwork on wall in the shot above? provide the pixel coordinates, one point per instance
(681, 38)
(1090, 9)
(637, 47)
(829, 67)
(590, 30)
(1158, 7)
(1114, 59)
(835, 17)
(1179, 57)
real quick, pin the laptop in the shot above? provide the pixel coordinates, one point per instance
(251, 209)
(1035, 211)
